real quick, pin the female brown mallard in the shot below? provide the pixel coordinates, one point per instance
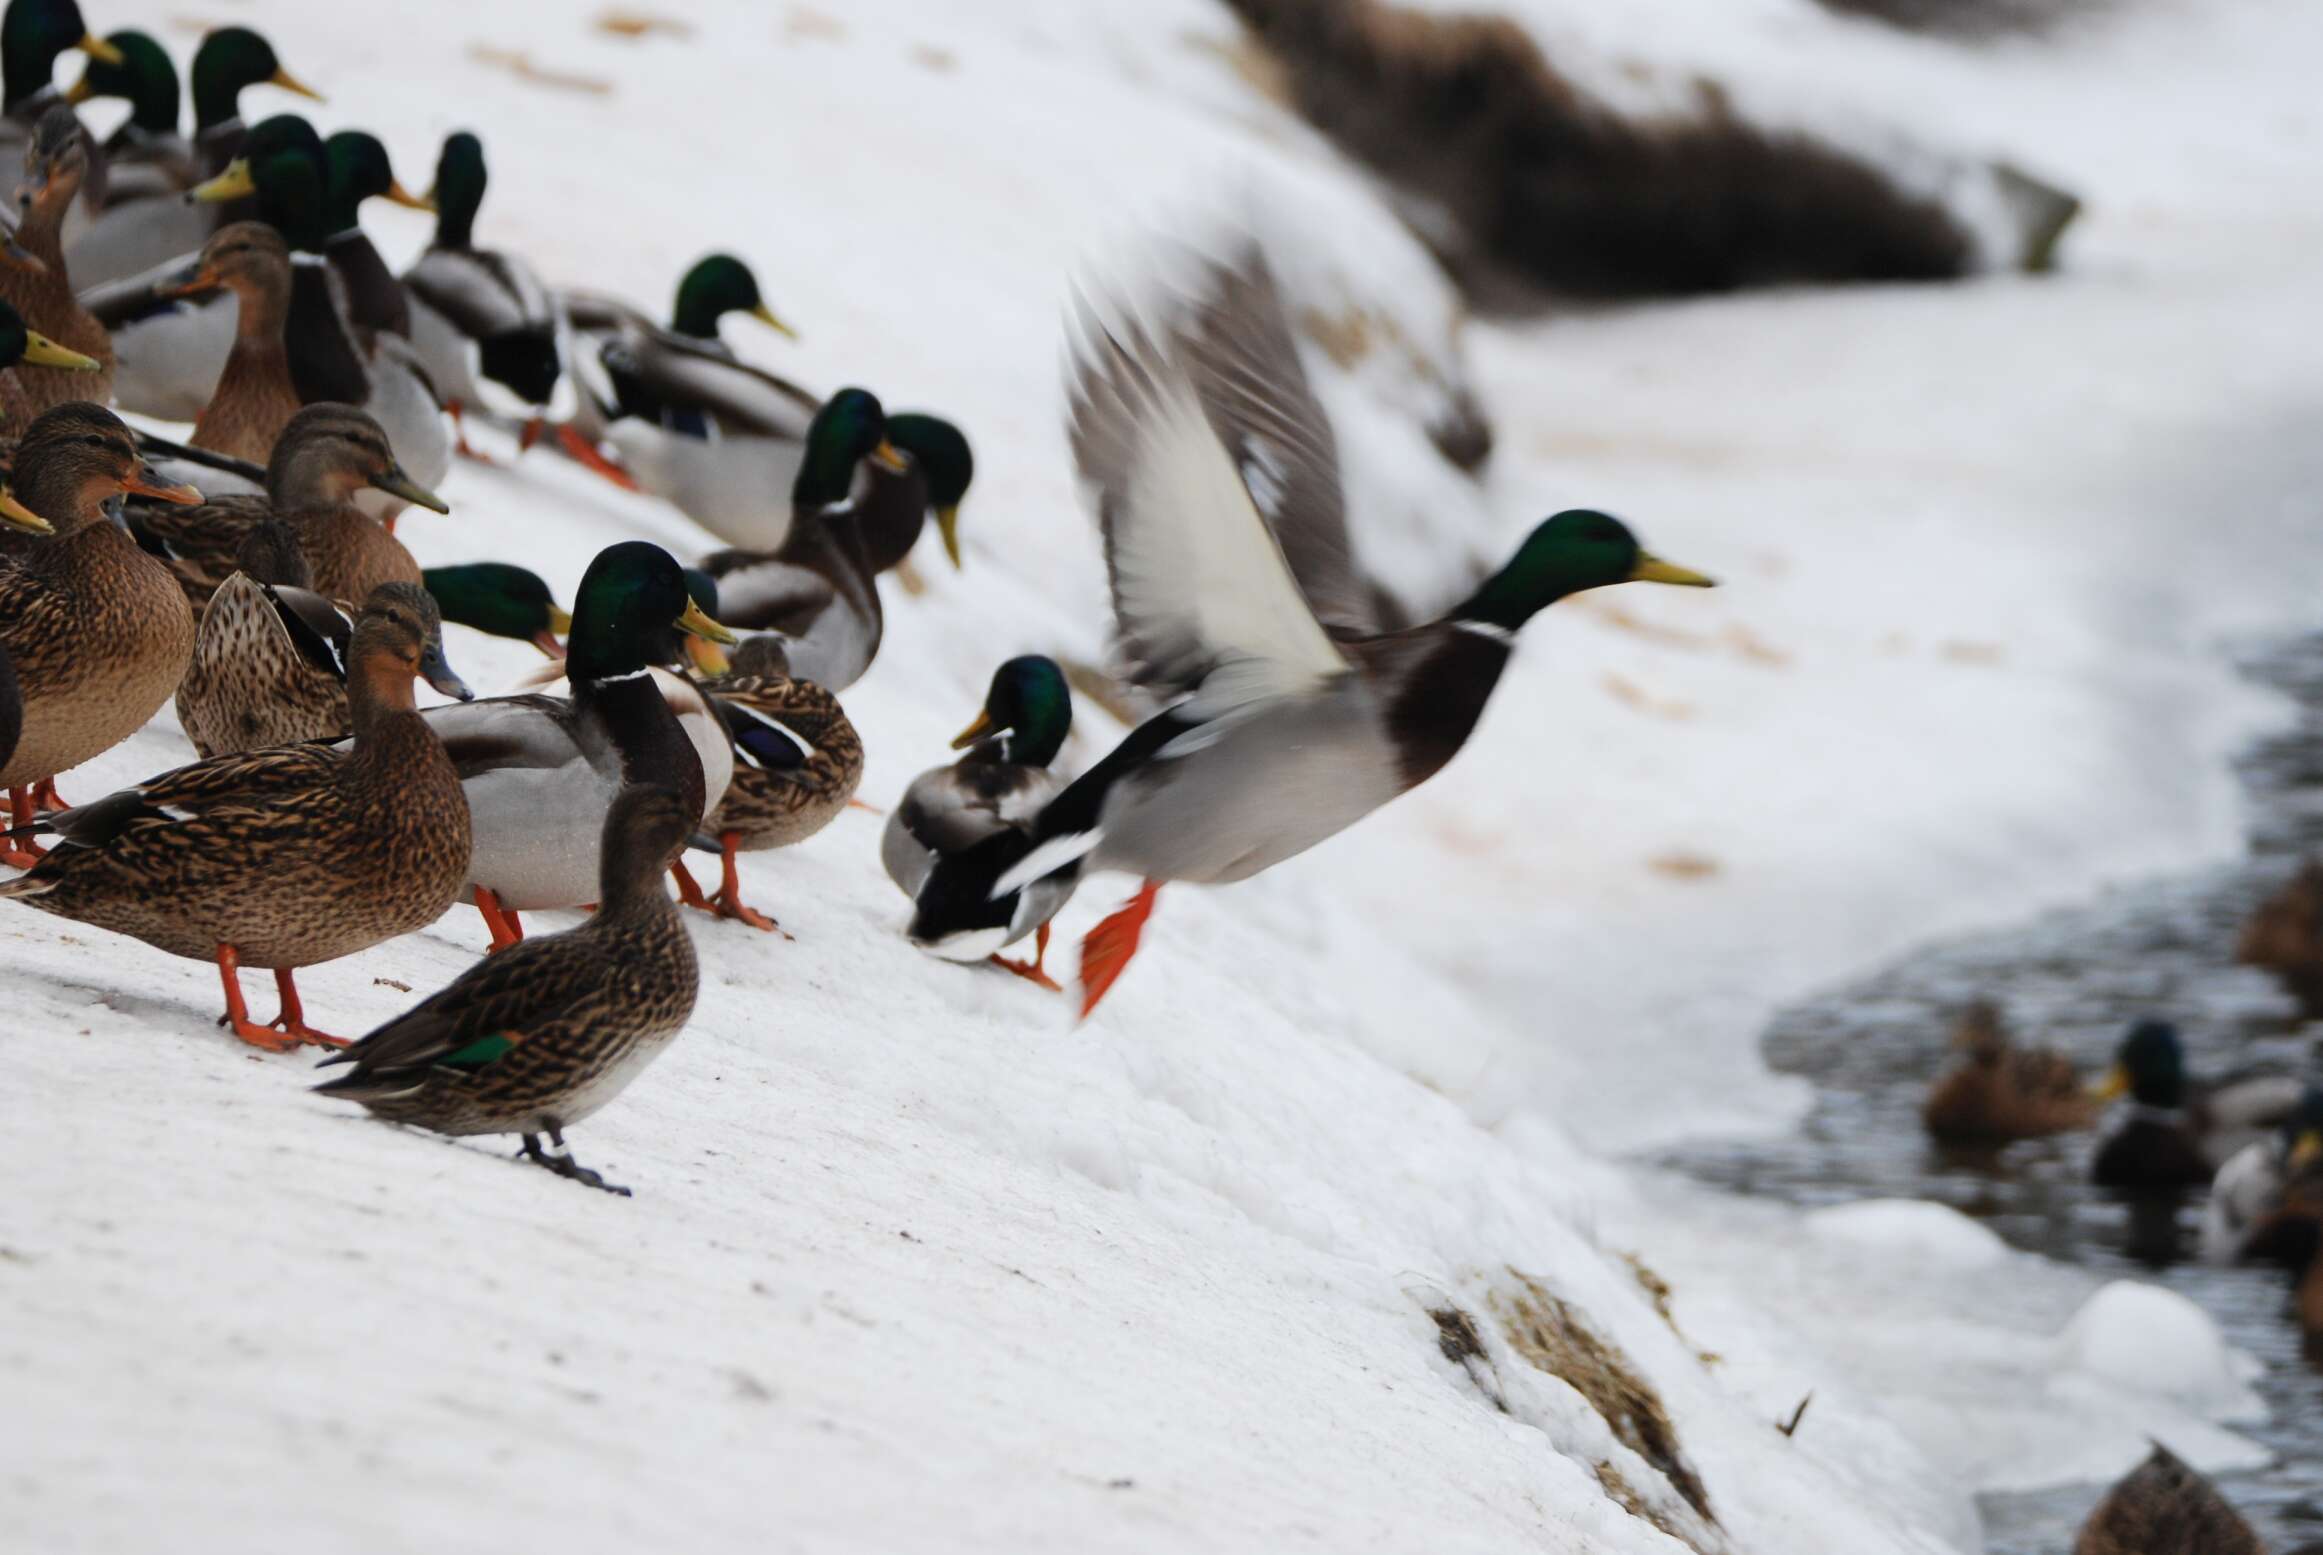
(289, 856)
(2164, 1505)
(270, 658)
(87, 582)
(538, 1037)
(325, 455)
(2000, 1091)
(256, 397)
(797, 761)
(55, 165)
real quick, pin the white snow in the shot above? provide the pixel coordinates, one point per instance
(914, 1265)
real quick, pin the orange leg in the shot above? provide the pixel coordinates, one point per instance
(21, 852)
(869, 809)
(1031, 971)
(460, 444)
(506, 929)
(534, 426)
(292, 1022)
(729, 897)
(44, 793)
(237, 1017)
(1105, 953)
(586, 453)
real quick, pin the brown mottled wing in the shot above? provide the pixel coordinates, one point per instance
(202, 544)
(510, 993)
(1237, 344)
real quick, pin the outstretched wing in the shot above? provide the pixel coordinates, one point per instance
(1236, 340)
(1199, 580)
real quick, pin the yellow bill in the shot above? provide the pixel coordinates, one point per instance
(17, 516)
(696, 622)
(291, 83)
(97, 48)
(235, 183)
(41, 351)
(1652, 569)
(767, 316)
(399, 195)
(974, 732)
(2113, 1086)
(948, 530)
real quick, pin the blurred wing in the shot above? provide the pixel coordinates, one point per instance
(1198, 578)
(1237, 346)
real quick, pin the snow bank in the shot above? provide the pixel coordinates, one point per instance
(915, 1266)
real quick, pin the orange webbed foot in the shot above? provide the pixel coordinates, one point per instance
(1106, 953)
(586, 453)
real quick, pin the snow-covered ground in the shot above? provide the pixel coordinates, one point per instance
(913, 1264)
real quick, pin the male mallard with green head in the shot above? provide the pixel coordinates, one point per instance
(541, 771)
(480, 314)
(818, 591)
(325, 455)
(539, 1037)
(288, 856)
(86, 582)
(1001, 785)
(147, 157)
(1218, 495)
(937, 468)
(500, 599)
(697, 426)
(2176, 1131)
(55, 164)
(33, 34)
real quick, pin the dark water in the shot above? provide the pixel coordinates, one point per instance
(2074, 979)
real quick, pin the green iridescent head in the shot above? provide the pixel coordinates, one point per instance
(502, 600)
(715, 287)
(357, 169)
(230, 60)
(1029, 709)
(32, 34)
(282, 166)
(1575, 550)
(629, 599)
(144, 76)
(459, 189)
(850, 428)
(941, 451)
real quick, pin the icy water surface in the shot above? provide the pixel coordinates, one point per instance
(2075, 979)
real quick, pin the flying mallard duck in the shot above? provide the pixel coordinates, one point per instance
(270, 655)
(480, 314)
(1217, 492)
(501, 600)
(283, 857)
(541, 771)
(2176, 1131)
(27, 350)
(797, 761)
(55, 164)
(1000, 785)
(326, 455)
(2000, 1091)
(149, 163)
(539, 1037)
(255, 396)
(819, 591)
(2164, 1505)
(695, 425)
(86, 582)
(2247, 1198)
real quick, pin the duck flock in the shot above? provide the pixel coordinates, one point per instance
(252, 575)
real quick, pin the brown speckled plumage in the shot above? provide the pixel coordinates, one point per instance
(2163, 1507)
(774, 804)
(55, 165)
(262, 673)
(255, 397)
(292, 855)
(2000, 1091)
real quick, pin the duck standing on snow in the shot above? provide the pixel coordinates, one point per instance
(2248, 1196)
(86, 584)
(1000, 785)
(324, 457)
(2176, 1132)
(149, 164)
(55, 164)
(797, 761)
(270, 655)
(1217, 492)
(283, 857)
(818, 590)
(539, 1037)
(2000, 1091)
(695, 424)
(479, 314)
(501, 600)
(541, 771)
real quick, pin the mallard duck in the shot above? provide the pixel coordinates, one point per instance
(695, 425)
(358, 171)
(797, 761)
(538, 1038)
(1000, 785)
(1217, 491)
(284, 857)
(501, 600)
(541, 771)
(55, 164)
(2248, 1195)
(32, 34)
(2177, 1132)
(2000, 1091)
(937, 468)
(325, 455)
(818, 591)
(147, 157)
(480, 314)
(255, 397)
(88, 582)
(270, 654)
(2163, 1507)
(23, 349)
(2284, 935)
